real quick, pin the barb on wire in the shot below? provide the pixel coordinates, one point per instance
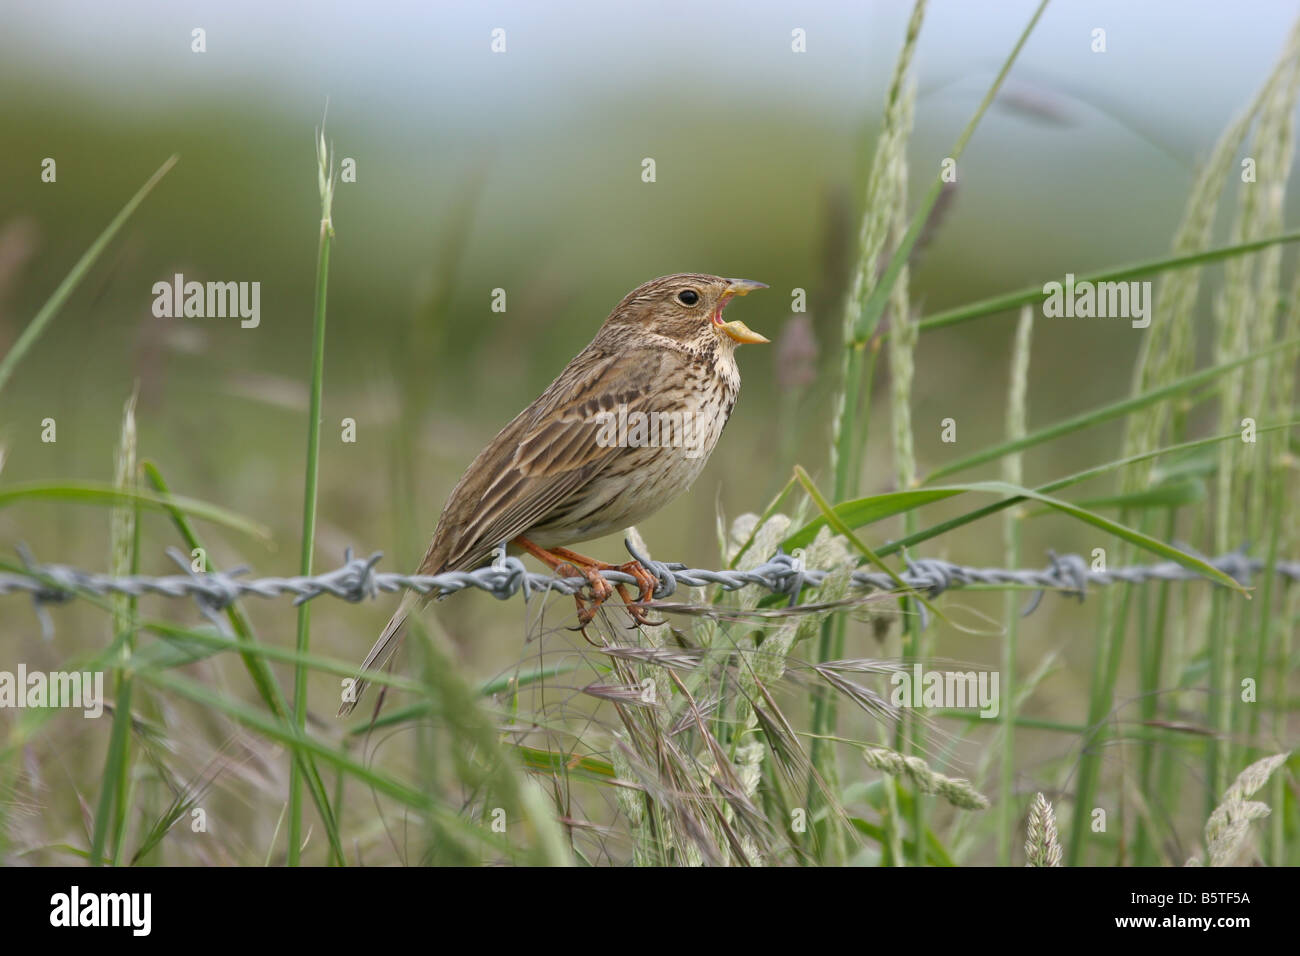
(357, 579)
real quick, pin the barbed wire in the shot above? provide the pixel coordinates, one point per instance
(357, 579)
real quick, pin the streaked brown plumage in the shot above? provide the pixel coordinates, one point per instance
(550, 479)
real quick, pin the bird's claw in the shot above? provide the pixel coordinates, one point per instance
(646, 584)
(600, 592)
(570, 564)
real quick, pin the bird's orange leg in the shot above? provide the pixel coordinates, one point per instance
(561, 563)
(646, 582)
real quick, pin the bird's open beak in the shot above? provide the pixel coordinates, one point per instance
(738, 331)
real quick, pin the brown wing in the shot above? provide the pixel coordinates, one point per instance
(543, 457)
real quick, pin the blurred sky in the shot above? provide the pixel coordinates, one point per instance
(585, 90)
(395, 58)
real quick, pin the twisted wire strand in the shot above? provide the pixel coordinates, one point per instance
(357, 579)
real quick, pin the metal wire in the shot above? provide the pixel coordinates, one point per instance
(357, 579)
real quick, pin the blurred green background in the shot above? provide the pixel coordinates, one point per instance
(522, 171)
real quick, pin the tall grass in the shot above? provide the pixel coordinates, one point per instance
(325, 180)
(1166, 355)
(60, 296)
(885, 204)
(124, 554)
(1013, 473)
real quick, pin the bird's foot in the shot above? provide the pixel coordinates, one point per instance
(570, 564)
(600, 592)
(646, 583)
(563, 563)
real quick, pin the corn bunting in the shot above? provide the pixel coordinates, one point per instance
(626, 428)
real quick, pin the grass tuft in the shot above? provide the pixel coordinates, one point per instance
(1227, 831)
(1041, 846)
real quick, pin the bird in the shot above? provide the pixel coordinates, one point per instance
(588, 456)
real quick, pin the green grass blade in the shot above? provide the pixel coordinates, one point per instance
(180, 645)
(875, 305)
(550, 763)
(839, 527)
(261, 674)
(880, 505)
(1174, 494)
(512, 682)
(865, 511)
(267, 724)
(325, 165)
(1013, 494)
(1107, 412)
(506, 683)
(116, 768)
(1131, 535)
(110, 809)
(1033, 295)
(96, 493)
(70, 282)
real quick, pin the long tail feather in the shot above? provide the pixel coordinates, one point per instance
(379, 654)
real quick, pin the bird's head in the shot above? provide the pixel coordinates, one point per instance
(686, 307)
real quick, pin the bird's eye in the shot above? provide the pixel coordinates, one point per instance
(688, 297)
